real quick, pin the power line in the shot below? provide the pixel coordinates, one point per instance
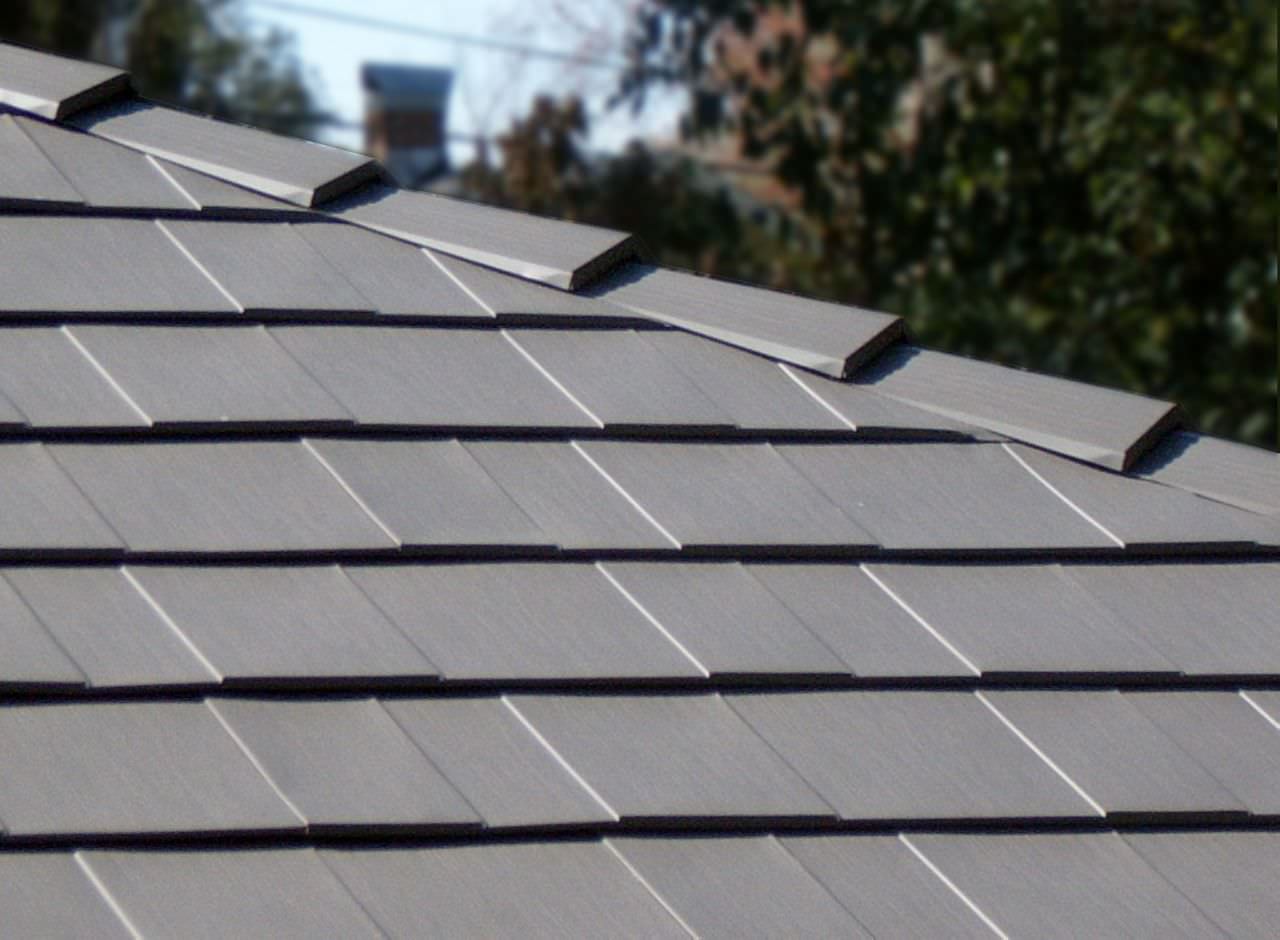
(426, 32)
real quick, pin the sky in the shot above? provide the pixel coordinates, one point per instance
(491, 87)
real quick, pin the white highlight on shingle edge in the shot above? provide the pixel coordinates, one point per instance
(106, 376)
(106, 895)
(1260, 710)
(635, 873)
(462, 287)
(568, 768)
(938, 873)
(625, 495)
(198, 266)
(1058, 493)
(542, 370)
(253, 759)
(169, 622)
(816, 397)
(920, 620)
(1080, 791)
(172, 182)
(651, 618)
(350, 492)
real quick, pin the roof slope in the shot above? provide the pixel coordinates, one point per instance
(458, 581)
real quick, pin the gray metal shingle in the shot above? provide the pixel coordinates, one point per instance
(431, 493)
(493, 760)
(1020, 618)
(129, 768)
(936, 496)
(27, 177)
(1169, 605)
(826, 337)
(508, 296)
(1100, 425)
(738, 887)
(868, 410)
(661, 757)
(566, 496)
(1230, 876)
(54, 384)
(530, 621)
(272, 623)
(397, 278)
(62, 264)
(728, 620)
(51, 86)
(241, 496)
(202, 894)
(344, 763)
(1248, 477)
(708, 494)
(885, 886)
(534, 890)
(1064, 886)
(1104, 744)
(47, 895)
(558, 253)
(28, 652)
(430, 377)
(858, 621)
(1268, 702)
(620, 378)
(267, 267)
(207, 193)
(191, 374)
(108, 628)
(298, 171)
(1226, 736)
(908, 755)
(40, 508)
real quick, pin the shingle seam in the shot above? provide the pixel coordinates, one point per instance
(173, 182)
(815, 396)
(413, 742)
(106, 376)
(253, 759)
(112, 904)
(1168, 881)
(821, 883)
(635, 503)
(559, 758)
(49, 634)
(546, 374)
(1244, 694)
(1058, 493)
(1035, 748)
(70, 478)
(907, 608)
(952, 886)
(657, 624)
(50, 161)
(350, 491)
(653, 892)
(394, 625)
(447, 273)
(169, 622)
(347, 889)
(198, 266)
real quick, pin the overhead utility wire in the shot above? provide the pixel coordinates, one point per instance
(426, 32)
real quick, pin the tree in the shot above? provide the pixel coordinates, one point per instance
(1086, 187)
(197, 54)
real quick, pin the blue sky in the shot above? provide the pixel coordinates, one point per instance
(490, 87)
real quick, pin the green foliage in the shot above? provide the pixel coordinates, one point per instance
(197, 54)
(1085, 187)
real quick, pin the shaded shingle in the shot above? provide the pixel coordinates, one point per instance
(868, 410)
(28, 177)
(54, 384)
(48, 895)
(53, 87)
(41, 509)
(514, 298)
(28, 652)
(1248, 477)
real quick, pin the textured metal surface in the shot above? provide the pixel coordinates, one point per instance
(267, 267)
(495, 762)
(825, 337)
(1110, 749)
(28, 652)
(1100, 425)
(566, 496)
(952, 496)
(344, 763)
(114, 635)
(282, 893)
(294, 170)
(208, 192)
(41, 508)
(725, 618)
(868, 410)
(431, 377)
(129, 767)
(430, 493)
(265, 623)
(48, 895)
(725, 494)
(893, 895)
(189, 374)
(28, 178)
(553, 252)
(670, 756)
(539, 890)
(1020, 618)
(744, 887)
(858, 621)
(53, 384)
(242, 496)
(900, 755)
(1064, 886)
(620, 378)
(531, 621)
(51, 86)
(128, 267)
(1248, 477)
(508, 296)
